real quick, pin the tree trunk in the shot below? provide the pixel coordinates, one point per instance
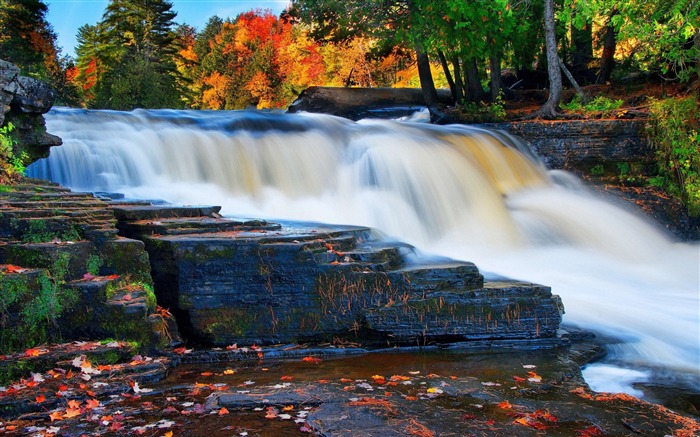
(459, 84)
(475, 92)
(582, 96)
(549, 109)
(426, 78)
(582, 41)
(448, 76)
(607, 59)
(495, 75)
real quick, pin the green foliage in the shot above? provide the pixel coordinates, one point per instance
(598, 170)
(38, 232)
(11, 164)
(601, 105)
(674, 130)
(483, 112)
(94, 262)
(29, 310)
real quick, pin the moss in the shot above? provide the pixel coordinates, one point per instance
(224, 323)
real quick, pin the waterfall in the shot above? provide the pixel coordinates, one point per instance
(456, 191)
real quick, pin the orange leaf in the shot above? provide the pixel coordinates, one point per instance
(74, 404)
(286, 378)
(311, 360)
(40, 399)
(72, 412)
(518, 379)
(345, 380)
(92, 403)
(14, 269)
(56, 415)
(223, 411)
(168, 434)
(505, 405)
(288, 408)
(32, 353)
(206, 373)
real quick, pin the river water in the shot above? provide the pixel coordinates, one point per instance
(454, 191)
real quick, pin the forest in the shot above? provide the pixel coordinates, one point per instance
(488, 53)
(139, 56)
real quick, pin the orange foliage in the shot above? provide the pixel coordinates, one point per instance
(215, 96)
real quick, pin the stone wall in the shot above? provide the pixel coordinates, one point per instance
(580, 145)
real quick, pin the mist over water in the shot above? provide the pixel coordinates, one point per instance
(451, 191)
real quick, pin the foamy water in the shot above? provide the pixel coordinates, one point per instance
(453, 191)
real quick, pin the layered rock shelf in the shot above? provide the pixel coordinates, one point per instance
(87, 268)
(66, 274)
(249, 281)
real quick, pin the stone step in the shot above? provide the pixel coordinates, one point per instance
(151, 212)
(453, 276)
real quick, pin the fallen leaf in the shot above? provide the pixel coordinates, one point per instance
(311, 360)
(505, 405)
(74, 404)
(40, 399)
(286, 378)
(71, 412)
(288, 408)
(223, 411)
(168, 434)
(56, 415)
(92, 403)
(229, 372)
(14, 269)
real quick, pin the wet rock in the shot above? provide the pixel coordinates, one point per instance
(23, 100)
(254, 282)
(72, 277)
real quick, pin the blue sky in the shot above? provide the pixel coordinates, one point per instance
(66, 16)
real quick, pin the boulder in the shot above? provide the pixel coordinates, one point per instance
(359, 103)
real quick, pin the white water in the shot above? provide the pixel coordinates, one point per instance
(452, 191)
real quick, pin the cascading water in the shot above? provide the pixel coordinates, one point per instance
(454, 191)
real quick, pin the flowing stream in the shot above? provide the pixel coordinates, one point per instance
(454, 191)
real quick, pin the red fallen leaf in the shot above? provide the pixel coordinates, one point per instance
(179, 350)
(311, 360)
(410, 398)
(170, 410)
(111, 277)
(92, 403)
(62, 387)
(346, 380)
(324, 381)
(222, 412)
(505, 405)
(518, 379)
(116, 426)
(32, 353)
(10, 268)
(490, 422)
(591, 431)
(468, 417)
(286, 378)
(39, 399)
(272, 412)
(206, 373)
(260, 355)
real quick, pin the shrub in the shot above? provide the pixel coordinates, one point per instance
(674, 131)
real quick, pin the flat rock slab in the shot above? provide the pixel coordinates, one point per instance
(255, 282)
